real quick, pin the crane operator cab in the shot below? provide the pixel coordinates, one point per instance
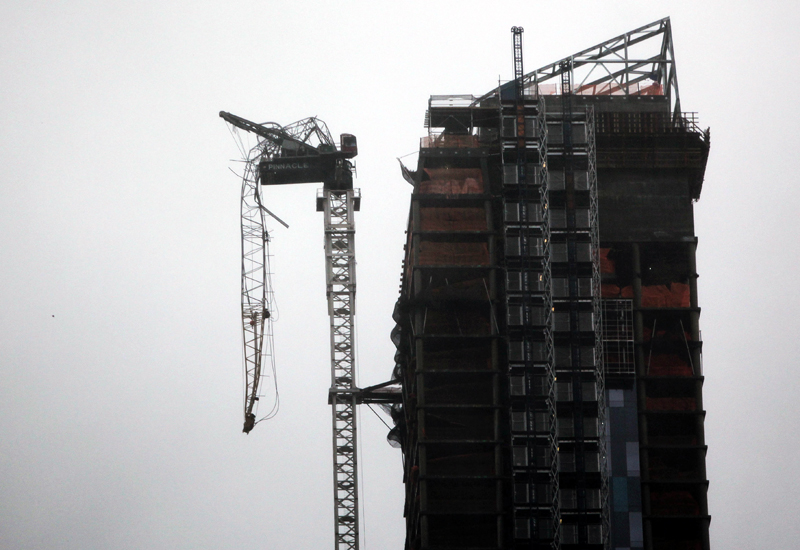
(349, 145)
(343, 173)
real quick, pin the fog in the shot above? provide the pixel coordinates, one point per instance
(120, 352)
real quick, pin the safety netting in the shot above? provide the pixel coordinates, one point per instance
(668, 364)
(448, 253)
(452, 219)
(659, 296)
(452, 181)
(449, 141)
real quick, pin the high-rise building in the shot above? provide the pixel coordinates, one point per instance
(548, 341)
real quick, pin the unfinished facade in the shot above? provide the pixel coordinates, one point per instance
(548, 341)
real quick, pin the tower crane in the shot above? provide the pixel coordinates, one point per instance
(304, 152)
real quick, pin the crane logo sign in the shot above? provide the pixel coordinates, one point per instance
(291, 166)
(306, 169)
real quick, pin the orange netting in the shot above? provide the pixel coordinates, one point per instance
(669, 365)
(609, 290)
(613, 291)
(626, 292)
(677, 295)
(449, 141)
(452, 181)
(452, 219)
(606, 265)
(671, 404)
(607, 88)
(438, 253)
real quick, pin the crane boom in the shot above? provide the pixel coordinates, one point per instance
(306, 139)
(271, 131)
(299, 153)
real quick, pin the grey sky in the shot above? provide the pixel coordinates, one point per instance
(120, 359)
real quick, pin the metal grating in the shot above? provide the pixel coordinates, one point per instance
(618, 349)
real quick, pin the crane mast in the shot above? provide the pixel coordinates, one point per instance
(304, 152)
(340, 268)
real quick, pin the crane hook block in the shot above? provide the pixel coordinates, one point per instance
(249, 422)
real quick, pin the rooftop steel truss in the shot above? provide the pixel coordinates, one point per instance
(641, 61)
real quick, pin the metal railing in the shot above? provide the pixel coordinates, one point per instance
(644, 122)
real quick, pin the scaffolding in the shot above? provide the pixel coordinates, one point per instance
(528, 296)
(618, 339)
(570, 339)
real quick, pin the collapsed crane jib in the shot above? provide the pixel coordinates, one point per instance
(274, 133)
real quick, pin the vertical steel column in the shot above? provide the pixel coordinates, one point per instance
(340, 268)
(600, 375)
(544, 197)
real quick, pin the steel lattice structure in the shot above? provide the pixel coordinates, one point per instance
(544, 197)
(340, 271)
(306, 142)
(257, 295)
(639, 62)
(617, 66)
(600, 375)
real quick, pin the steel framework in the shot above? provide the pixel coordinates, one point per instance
(257, 294)
(542, 521)
(618, 340)
(600, 375)
(307, 138)
(639, 62)
(544, 197)
(340, 269)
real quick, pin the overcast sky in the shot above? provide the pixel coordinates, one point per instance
(120, 353)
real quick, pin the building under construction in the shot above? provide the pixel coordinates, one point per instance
(548, 341)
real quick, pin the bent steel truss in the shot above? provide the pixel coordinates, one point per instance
(639, 62)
